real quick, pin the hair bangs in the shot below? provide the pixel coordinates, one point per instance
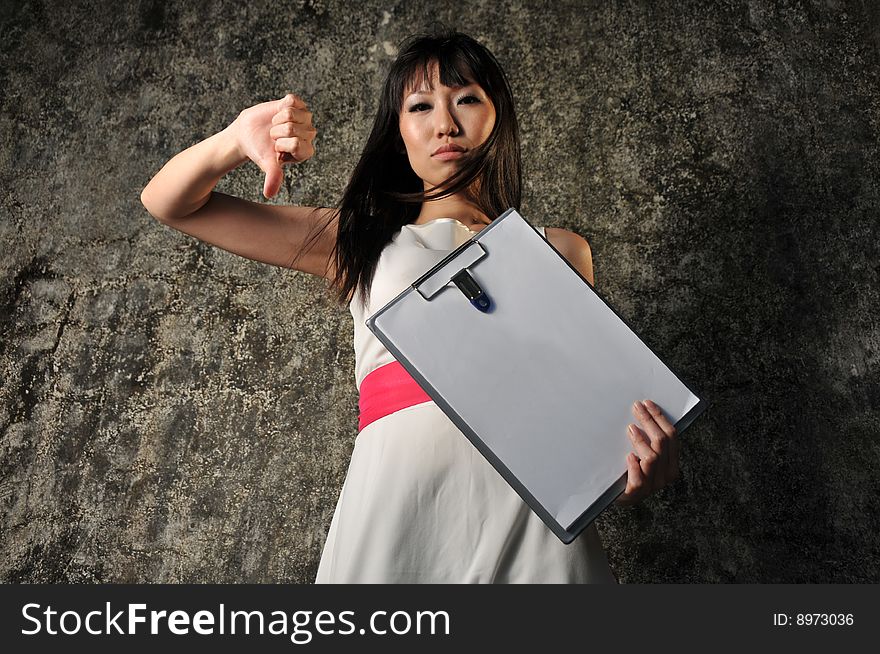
(455, 70)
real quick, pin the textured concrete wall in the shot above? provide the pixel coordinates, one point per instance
(170, 412)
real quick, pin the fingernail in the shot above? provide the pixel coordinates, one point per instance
(632, 430)
(637, 406)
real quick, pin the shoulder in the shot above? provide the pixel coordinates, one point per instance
(574, 247)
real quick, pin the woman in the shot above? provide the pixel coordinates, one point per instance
(419, 504)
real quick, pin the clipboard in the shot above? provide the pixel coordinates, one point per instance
(533, 366)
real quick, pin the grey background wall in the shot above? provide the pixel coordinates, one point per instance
(172, 413)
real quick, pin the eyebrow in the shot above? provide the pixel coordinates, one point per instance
(427, 91)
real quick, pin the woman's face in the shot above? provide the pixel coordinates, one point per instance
(457, 117)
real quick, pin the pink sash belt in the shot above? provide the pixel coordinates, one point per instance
(387, 389)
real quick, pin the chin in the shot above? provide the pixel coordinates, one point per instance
(435, 179)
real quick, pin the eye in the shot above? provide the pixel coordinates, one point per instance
(421, 106)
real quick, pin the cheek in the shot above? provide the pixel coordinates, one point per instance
(484, 124)
(409, 138)
(490, 123)
(408, 132)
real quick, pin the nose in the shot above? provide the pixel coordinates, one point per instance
(445, 122)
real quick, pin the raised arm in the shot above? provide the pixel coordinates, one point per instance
(270, 134)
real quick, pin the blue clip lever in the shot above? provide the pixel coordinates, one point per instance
(472, 291)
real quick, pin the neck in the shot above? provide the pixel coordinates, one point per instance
(455, 206)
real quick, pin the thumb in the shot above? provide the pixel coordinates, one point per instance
(274, 177)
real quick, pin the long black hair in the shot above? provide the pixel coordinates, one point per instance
(384, 192)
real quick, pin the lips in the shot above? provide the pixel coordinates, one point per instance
(449, 147)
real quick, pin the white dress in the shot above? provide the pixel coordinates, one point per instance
(420, 504)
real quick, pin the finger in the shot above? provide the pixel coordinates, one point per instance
(658, 439)
(672, 442)
(307, 150)
(287, 145)
(274, 177)
(635, 481)
(655, 433)
(660, 418)
(299, 149)
(292, 115)
(641, 444)
(285, 130)
(291, 100)
(298, 154)
(648, 458)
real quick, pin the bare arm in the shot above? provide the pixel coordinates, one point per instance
(181, 194)
(575, 248)
(184, 184)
